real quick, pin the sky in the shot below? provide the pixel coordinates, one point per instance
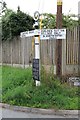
(43, 6)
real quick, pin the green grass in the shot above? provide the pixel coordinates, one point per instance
(18, 89)
(0, 77)
(0, 83)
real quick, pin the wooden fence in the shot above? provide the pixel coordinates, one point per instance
(70, 52)
(72, 46)
(16, 51)
(20, 51)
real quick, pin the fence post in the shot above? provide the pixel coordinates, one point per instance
(23, 52)
(11, 53)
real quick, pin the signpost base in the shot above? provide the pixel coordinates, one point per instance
(54, 69)
(38, 83)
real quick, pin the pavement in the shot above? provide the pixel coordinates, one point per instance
(9, 111)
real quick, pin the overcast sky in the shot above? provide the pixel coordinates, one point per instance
(48, 6)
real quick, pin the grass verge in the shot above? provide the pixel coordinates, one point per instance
(18, 89)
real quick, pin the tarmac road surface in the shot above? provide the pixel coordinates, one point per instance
(7, 113)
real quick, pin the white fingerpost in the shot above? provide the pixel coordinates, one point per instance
(36, 61)
(37, 48)
(37, 56)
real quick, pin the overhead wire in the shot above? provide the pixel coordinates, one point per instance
(39, 5)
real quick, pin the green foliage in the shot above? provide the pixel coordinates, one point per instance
(13, 23)
(18, 89)
(0, 83)
(49, 21)
(68, 22)
(79, 21)
(0, 77)
(3, 7)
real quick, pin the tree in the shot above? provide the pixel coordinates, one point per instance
(49, 21)
(13, 23)
(3, 7)
(68, 22)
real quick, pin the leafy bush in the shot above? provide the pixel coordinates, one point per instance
(14, 23)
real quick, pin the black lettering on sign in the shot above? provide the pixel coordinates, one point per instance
(35, 69)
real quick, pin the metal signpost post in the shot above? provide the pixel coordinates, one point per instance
(36, 60)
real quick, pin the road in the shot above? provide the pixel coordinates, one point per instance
(6, 113)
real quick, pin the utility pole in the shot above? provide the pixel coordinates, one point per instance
(79, 37)
(59, 41)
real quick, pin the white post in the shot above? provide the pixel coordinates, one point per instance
(37, 55)
(36, 61)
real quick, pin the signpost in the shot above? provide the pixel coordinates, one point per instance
(36, 60)
(35, 69)
(43, 34)
(53, 34)
(46, 34)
